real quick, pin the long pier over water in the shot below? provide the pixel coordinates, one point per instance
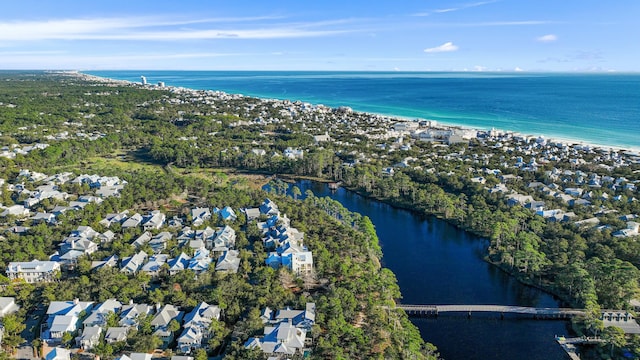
(435, 310)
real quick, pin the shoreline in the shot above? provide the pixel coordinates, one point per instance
(390, 117)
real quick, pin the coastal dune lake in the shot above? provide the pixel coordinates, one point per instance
(601, 109)
(435, 263)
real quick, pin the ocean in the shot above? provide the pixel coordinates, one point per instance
(599, 109)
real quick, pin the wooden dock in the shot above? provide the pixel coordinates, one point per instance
(569, 345)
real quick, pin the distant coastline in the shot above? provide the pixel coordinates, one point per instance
(549, 136)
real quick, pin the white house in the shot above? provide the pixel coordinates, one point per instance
(160, 322)
(33, 271)
(155, 220)
(90, 337)
(196, 327)
(115, 334)
(132, 264)
(64, 316)
(8, 306)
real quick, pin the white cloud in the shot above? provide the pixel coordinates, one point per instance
(147, 28)
(479, 68)
(446, 47)
(452, 9)
(547, 38)
(518, 69)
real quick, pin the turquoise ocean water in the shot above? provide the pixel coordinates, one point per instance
(602, 109)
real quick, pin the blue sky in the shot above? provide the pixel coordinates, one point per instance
(382, 35)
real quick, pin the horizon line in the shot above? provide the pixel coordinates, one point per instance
(363, 71)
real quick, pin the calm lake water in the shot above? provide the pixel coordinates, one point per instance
(435, 263)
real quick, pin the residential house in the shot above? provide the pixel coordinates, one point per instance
(8, 306)
(196, 327)
(224, 239)
(45, 217)
(132, 222)
(282, 335)
(130, 265)
(130, 313)
(268, 207)
(518, 199)
(64, 316)
(114, 218)
(159, 241)
(632, 229)
(101, 312)
(293, 154)
(200, 261)
(115, 334)
(142, 239)
(154, 265)
(300, 263)
(33, 271)
(111, 261)
(200, 215)
(229, 261)
(155, 220)
(252, 213)
(15, 210)
(106, 237)
(140, 356)
(160, 323)
(179, 263)
(227, 213)
(90, 337)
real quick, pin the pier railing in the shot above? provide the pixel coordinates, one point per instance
(435, 310)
